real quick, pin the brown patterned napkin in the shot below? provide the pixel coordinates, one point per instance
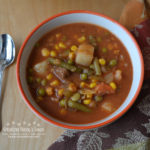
(132, 131)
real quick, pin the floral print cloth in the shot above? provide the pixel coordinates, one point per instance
(130, 132)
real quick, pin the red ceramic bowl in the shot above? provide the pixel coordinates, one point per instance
(86, 17)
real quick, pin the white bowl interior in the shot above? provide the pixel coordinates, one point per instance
(92, 19)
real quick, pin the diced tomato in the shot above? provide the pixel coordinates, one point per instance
(103, 89)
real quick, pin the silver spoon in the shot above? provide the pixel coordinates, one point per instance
(7, 56)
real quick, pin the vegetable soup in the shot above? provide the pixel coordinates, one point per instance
(79, 73)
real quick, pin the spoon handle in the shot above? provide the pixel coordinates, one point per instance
(1, 79)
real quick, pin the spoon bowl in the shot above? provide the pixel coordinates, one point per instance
(7, 50)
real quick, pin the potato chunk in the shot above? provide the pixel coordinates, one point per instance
(107, 107)
(84, 54)
(41, 67)
(118, 75)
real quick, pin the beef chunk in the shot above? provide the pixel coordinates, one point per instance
(61, 73)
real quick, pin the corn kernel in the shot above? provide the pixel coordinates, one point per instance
(53, 54)
(58, 35)
(49, 91)
(81, 39)
(71, 55)
(63, 111)
(62, 45)
(92, 85)
(45, 52)
(89, 96)
(60, 92)
(56, 47)
(72, 87)
(49, 76)
(113, 85)
(87, 101)
(74, 48)
(102, 61)
(82, 84)
(54, 83)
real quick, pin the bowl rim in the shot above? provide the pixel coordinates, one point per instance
(74, 126)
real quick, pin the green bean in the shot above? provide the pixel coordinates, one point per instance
(62, 64)
(68, 67)
(98, 98)
(78, 106)
(41, 92)
(43, 82)
(97, 66)
(113, 62)
(54, 61)
(75, 97)
(72, 68)
(63, 103)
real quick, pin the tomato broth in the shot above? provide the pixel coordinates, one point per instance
(79, 73)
